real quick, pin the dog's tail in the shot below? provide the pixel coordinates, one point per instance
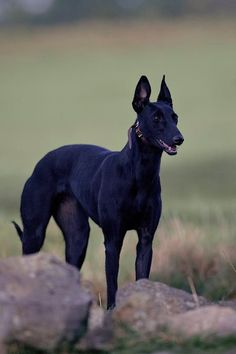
(18, 230)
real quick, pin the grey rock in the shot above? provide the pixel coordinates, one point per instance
(203, 322)
(228, 303)
(41, 302)
(145, 305)
(99, 335)
(152, 308)
(166, 299)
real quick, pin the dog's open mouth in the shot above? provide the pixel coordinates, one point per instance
(169, 149)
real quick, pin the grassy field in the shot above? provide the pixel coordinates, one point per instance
(75, 85)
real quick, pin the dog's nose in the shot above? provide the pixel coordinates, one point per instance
(178, 139)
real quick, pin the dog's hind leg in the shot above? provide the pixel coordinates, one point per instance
(36, 206)
(73, 222)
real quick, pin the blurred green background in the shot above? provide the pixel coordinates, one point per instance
(68, 71)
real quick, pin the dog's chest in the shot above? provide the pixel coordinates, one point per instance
(138, 204)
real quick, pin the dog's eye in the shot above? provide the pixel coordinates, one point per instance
(157, 118)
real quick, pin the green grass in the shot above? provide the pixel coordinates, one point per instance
(75, 85)
(131, 344)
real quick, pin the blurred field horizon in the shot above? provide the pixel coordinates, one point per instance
(75, 83)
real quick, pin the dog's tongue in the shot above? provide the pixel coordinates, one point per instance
(172, 148)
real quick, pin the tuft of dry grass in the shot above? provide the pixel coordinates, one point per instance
(187, 254)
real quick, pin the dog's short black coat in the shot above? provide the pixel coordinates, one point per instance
(119, 191)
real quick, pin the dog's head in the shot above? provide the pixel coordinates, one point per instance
(156, 121)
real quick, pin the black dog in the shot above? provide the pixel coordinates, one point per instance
(119, 191)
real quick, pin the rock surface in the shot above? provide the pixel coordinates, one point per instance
(41, 302)
(228, 303)
(204, 322)
(152, 308)
(168, 300)
(145, 305)
(44, 306)
(99, 335)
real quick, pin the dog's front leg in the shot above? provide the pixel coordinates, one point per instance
(113, 243)
(144, 253)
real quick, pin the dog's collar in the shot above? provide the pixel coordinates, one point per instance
(138, 133)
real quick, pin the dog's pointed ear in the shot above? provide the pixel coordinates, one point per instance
(142, 94)
(164, 94)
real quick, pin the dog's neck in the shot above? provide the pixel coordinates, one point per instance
(143, 158)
